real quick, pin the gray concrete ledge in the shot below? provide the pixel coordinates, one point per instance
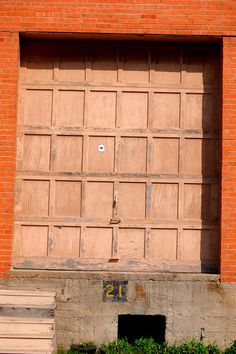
(198, 277)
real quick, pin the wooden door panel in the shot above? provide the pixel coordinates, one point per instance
(131, 243)
(67, 198)
(99, 200)
(166, 111)
(103, 64)
(97, 243)
(197, 200)
(38, 107)
(201, 164)
(37, 63)
(39, 68)
(101, 155)
(165, 156)
(34, 240)
(65, 242)
(132, 200)
(194, 106)
(68, 153)
(35, 198)
(71, 64)
(191, 245)
(133, 155)
(134, 110)
(192, 157)
(70, 108)
(167, 66)
(201, 112)
(164, 201)
(162, 244)
(202, 67)
(135, 65)
(36, 153)
(199, 245)
(101, 109)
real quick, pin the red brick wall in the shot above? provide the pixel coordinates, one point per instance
(154, 17)
(8, 102)
(228, 198)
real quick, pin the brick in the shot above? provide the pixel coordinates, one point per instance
(209, 18)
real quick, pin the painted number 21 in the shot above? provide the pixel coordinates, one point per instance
(110, 292)
(115, 291)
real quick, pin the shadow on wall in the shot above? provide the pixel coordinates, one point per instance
(203, 66)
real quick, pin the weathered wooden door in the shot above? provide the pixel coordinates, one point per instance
(117, 156)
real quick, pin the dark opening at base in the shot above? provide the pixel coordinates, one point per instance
(137, 326)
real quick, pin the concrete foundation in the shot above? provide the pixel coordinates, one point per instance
(189, 302)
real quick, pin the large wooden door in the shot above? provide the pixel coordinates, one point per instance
(117, 156)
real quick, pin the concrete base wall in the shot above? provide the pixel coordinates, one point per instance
(189, 302)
